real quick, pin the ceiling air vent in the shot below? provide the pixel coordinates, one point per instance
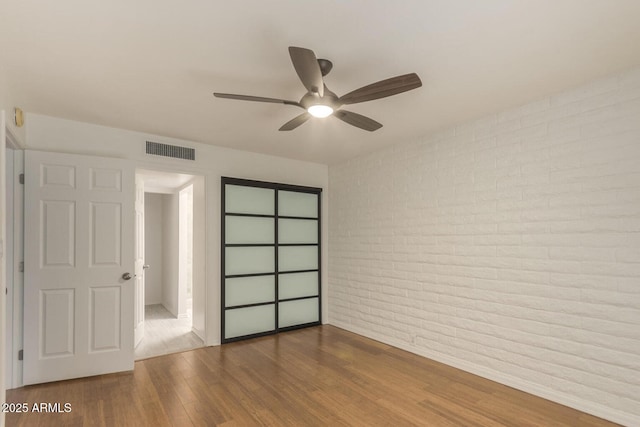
(174, 151)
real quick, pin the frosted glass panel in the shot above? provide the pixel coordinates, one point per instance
(249, 290)
(253, 200)
(292, 203)
(297, 285)
(250, 320)
(297, 231)
(291, 258)
(249, 260)
(243, 229)
(292, 313)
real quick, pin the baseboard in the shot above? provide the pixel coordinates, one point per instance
(173, 312)
(592, 408)
(198, 332)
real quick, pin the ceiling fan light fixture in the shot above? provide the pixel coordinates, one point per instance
(320, 111)
(320, 102)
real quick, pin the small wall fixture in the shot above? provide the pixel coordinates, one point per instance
(19, 117)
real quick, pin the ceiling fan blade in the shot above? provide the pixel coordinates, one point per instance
(295, 122)
(382, 89)
(357, 120)
(255, 98)
(308, 69)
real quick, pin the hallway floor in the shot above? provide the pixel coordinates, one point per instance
(164, 334)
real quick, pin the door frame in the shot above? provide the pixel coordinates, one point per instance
(138, 269)
(3, 278)
(14, 300)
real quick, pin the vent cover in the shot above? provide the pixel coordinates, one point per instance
(174, 151)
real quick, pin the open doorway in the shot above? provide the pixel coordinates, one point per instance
(173, 274)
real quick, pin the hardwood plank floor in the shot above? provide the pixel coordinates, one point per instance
(321, 376)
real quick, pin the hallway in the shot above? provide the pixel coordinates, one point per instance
(164, 334)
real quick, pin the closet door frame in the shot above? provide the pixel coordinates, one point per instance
(277, 187)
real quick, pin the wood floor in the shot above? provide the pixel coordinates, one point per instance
(321, 376)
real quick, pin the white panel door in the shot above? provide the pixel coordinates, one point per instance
(138, 311)
(79, 243)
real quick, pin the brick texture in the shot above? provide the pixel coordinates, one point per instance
(508, 246)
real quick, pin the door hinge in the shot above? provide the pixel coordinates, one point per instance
(21, 178)
(20, 354)
(21, 267)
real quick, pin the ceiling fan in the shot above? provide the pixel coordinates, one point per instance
(319, 101)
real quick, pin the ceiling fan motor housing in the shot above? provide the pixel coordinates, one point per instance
(325, 66)
(330, 99)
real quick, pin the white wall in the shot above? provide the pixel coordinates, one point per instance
(6, 123)
(48, 133)
(153, 247)
(508, 247)
(170, 262)
(8, 103)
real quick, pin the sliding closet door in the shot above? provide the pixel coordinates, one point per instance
(270, 258)
(249, 292)
(298, 258)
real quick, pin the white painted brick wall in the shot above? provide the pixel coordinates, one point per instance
(508, 246)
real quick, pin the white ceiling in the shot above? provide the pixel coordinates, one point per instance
(152, 66)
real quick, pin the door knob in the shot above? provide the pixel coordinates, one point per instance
(126, 276)
(146, 266)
